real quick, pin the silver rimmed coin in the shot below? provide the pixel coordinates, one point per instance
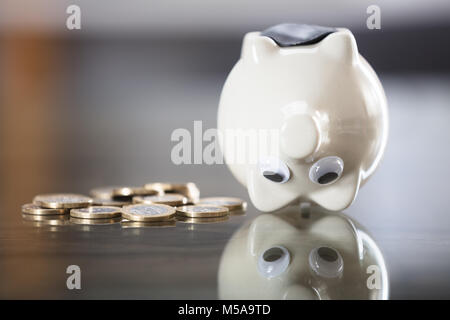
(110, 202)
(202, 211)
(62, 201)
(33, 209)
(96, 212)
(148, 212)
(228, 202)
(168, 199)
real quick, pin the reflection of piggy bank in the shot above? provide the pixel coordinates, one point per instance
(321, 255)
(308, 87)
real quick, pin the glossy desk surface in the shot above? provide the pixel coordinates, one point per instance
(117, 131)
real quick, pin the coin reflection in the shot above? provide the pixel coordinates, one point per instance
(156, 224)
(48, 220)
(236, 213)
(95, 221)
(202, 220)
(302, 253)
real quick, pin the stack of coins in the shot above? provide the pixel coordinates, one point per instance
(52, 209)
(154, 204)
(96, 215)
(118, 196)
(55, 204)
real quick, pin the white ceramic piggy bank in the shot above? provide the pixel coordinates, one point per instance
(322, 104)
(321, 255)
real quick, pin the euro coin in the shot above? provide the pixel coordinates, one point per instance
(33, 209)
(96, 213)
(228, 202)
(148, 212)
(168, 199)
(82, 221)
(62, 201)
(110, 202)
(202, 211)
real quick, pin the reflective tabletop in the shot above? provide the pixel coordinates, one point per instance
(116, 130)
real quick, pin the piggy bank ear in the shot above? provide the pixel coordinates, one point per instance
(256, 47)
(340, 46)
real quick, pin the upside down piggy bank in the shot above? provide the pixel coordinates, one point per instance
(323, 255)
(322, 104)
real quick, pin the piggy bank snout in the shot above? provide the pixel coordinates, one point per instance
(300, 136)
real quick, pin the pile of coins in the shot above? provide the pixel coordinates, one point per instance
(153, 204)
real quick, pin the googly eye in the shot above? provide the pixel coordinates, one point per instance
(273, 261)
(326, 262)
(327, 170)
(274, 169)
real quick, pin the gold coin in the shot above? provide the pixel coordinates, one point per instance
(155, 224)
(228, 202)
(127, 191)
(168, 199)
(202, 220)
(96, 213)
(202, 211)
(94, 221)
(62, 201)
(110, 202)
(148, 212)
(33, 209)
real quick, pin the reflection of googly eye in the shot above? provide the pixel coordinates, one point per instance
(273, 261)
(274, 169)
(326, 262)
(327, 170)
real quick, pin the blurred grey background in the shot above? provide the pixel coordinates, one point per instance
(97, 106)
